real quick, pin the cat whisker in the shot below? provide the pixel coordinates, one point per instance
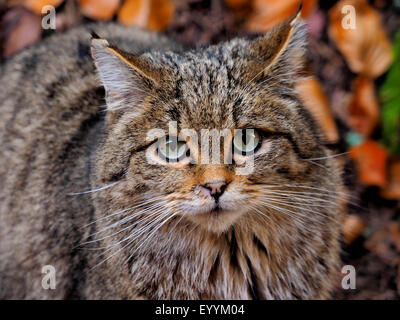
(147, 217)
(126, 245)
(329, 157)
(299, 197)
(318, 213)
(94, 190)
(138, 205)
(315, 163)
(148, 222)
(148, 238)
(300, 217)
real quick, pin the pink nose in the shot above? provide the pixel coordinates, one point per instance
(214, 188)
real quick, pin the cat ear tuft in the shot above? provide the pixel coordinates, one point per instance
(127, 78)
(281, 51)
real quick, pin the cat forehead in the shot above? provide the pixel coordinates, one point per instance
(205, 87)
(205, 61)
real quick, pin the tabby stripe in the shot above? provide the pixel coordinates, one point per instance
(213, 271)
(233, 251)
(260, 245)
(253, 284)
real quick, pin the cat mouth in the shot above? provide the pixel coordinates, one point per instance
(217, 211)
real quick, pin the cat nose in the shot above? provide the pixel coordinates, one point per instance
(214, 188)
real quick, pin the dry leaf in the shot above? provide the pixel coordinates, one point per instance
(352, 228)
(392, 191)
(398, 277)
(27, 30)
(268, 13)
(99, 9)
(314, 99)
(380, 242)
(37, 5)
(238, 4)
(364, 107)
(151, 14)
(394, 230)
(370, 159)
(366, 48)
(241, 8)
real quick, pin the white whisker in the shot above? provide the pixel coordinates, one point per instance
(94, 190)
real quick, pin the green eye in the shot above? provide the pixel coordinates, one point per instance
(246, 141)
(171, 150)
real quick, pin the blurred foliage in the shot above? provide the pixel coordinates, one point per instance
(390, 95)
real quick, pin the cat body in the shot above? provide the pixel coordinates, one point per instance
(78, 190)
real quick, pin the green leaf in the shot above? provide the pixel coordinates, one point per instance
(390, 97)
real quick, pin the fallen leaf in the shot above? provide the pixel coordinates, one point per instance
(37, 5)
(26, 31)
(392, 190)
(352, 228)
(370, 159)
(151, 14)
(364, 107)
(240, 7)
(398, 278)
(394, 230)
(268, 13)
(380, 243)
(315, 101)
(99, 9)
(238, 3)
(366, 48)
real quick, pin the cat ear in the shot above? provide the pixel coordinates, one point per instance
(281, 51)
(127, 78)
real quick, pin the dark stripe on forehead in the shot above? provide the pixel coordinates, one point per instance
(173, 114)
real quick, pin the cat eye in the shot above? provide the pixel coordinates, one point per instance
(172, 150)
(246, 141)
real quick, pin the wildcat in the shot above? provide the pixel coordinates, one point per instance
(121, 216)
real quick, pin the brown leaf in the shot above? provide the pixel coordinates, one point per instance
(366, 48)
(314, 99)
(398, 276)
(370, 159)
(394, 230)
(352, 228)
(380, 243)
(154, 15)
(26, 29)
(99, 9)
(37, 5)
(240, 7)
(364, 107)
(392, 191)
(268, 13)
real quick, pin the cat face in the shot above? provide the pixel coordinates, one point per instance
(207, 134)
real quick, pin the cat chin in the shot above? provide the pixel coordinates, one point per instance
(216, 221)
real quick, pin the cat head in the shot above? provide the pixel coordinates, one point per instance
(164, 108)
